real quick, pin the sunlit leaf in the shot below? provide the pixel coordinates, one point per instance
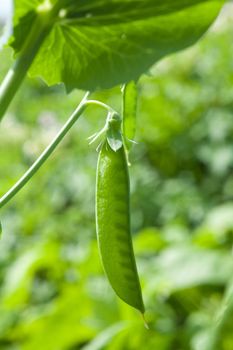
(99, 44)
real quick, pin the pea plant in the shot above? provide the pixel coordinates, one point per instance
(93, 45)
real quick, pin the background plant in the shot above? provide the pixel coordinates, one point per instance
(182, 214)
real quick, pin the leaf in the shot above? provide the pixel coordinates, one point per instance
(113, 134)
(220, 219)
(202, 266)
(114, 139)
(20, 274)
(130, 94)
(105, 337)
(102, 43)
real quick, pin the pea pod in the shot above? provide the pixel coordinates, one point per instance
(113, 224)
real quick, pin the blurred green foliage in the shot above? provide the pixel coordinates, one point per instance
(53, 294)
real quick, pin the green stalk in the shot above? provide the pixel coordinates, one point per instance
(51, 147)
(223, 317)
(100, 104)
(41, 27)
(45, 155)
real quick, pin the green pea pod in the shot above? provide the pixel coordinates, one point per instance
(113, 225)
(130, 95)
(0, 229)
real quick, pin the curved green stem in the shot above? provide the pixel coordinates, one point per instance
(45, 155)
(100, 104)
(51, 147)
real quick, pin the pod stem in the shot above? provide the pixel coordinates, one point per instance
(101, 104)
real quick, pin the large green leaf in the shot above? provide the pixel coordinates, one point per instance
(102, 43)
(202, 266)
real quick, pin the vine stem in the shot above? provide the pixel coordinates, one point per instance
(43, 23)
(45, 155)
(100, 104)
(51, 147)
